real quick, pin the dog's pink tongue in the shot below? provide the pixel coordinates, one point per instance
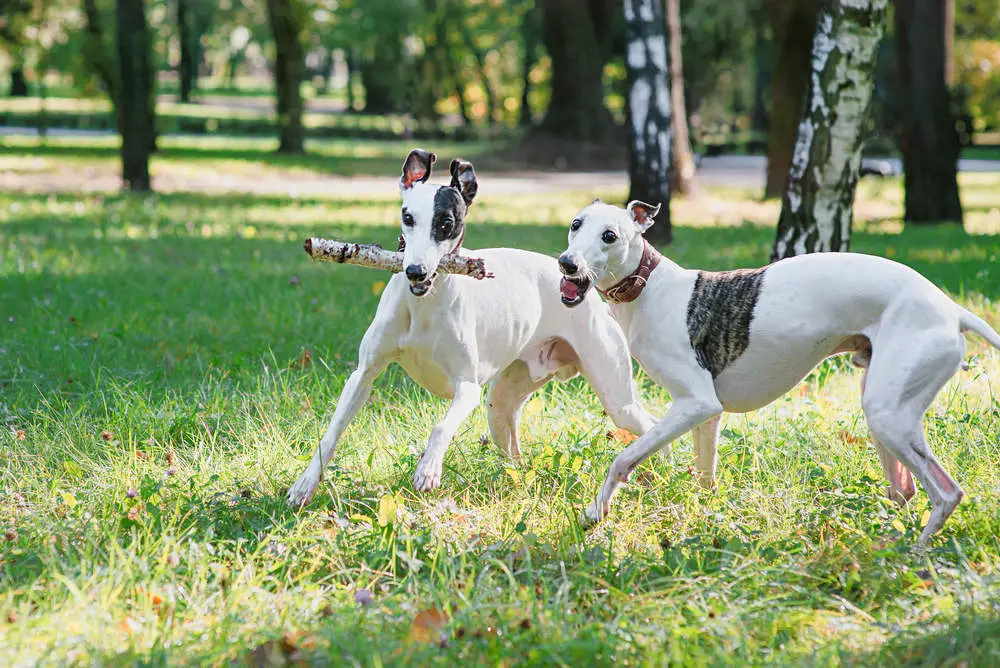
(568, 289)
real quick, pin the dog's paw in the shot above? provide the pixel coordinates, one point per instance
(591, 515)
(301, 493)
(428, 475)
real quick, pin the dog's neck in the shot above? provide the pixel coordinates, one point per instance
(625, 282)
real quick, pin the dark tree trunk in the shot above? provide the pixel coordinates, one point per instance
(816, 210)
(793, 23)
(18, 84)
(529, 36)
(648, 111)
(288, 66)
(350, 63)
(136, 100)
(682, 175)
(382, 78)
(928, 138)
(100, 58)
(574, 42)
(188, 64)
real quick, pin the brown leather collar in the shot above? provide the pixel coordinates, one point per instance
(629, 288)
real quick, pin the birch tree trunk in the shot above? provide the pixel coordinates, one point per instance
(648, 111)
(288, 63)
(683, 168)
(928, 138)
(135, 55)
(816, 209)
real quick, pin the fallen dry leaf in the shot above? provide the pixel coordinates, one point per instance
(304, 360)
(107, 435)
(427, 625)
(623, 436)
(128, 625)
(139, 454)
(19, 435)
(170, 457)
(848, 437)
(133, 514)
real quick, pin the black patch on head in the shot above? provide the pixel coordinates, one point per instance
(719, 314)
(448, 220)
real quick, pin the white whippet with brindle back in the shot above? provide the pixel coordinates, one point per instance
(453, 334)
(734, 341)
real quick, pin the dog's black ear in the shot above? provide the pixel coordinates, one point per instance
(597, 200)
(642, 214)
(417, 168)
(463, 177)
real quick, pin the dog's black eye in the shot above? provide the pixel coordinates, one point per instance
(609, 237)
(575, 225)
(407, 219)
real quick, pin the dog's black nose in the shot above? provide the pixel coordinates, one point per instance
(416, 272)
(568, 265)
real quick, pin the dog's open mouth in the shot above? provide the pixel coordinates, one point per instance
(573, 289)
(419, 289)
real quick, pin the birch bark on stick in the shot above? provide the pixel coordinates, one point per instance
(376, 257)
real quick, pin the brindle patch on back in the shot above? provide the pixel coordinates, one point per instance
(719, 314)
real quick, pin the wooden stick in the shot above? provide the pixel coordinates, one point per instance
(373, 255)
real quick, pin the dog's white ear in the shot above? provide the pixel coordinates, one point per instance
(642, 214)
(463, 177)
(416, 168)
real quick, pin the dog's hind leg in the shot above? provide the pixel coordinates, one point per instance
(428, 474)
(706, 440)
(904, 377)
(901, 488)
(377, 350)
(504, 400)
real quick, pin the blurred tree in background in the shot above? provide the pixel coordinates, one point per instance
(547, 76)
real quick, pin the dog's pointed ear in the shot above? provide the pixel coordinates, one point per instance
(642, 214)
(463, 177)
(597, 200)
(416, 168)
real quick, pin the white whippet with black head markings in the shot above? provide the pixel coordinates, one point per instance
(734, 341)
(453, 335)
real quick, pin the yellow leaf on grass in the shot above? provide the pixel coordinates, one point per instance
(69, 499)
(925, 517)
(378, 287)
(899, 526)
(386, 510)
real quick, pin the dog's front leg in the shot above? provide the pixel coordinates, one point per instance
(706, 442)
(685, 414)
(378, 347)
(428, 475)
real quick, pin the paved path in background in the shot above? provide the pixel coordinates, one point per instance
(722, 171)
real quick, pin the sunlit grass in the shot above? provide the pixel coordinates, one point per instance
(155, 404)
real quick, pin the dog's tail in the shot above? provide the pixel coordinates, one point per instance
(970, 322)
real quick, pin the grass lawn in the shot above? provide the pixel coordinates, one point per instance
(167, 366)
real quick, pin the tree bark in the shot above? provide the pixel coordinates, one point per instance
(793, 23)
(573, 40)
(817, 207)
(18, 84)
(188, 65)
(683, 181)
(529, 37)
(288, 65)
(648, 111)
(100, 59)
(928, 138)
(135, 56)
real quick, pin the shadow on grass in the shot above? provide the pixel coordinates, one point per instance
(970, 640)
